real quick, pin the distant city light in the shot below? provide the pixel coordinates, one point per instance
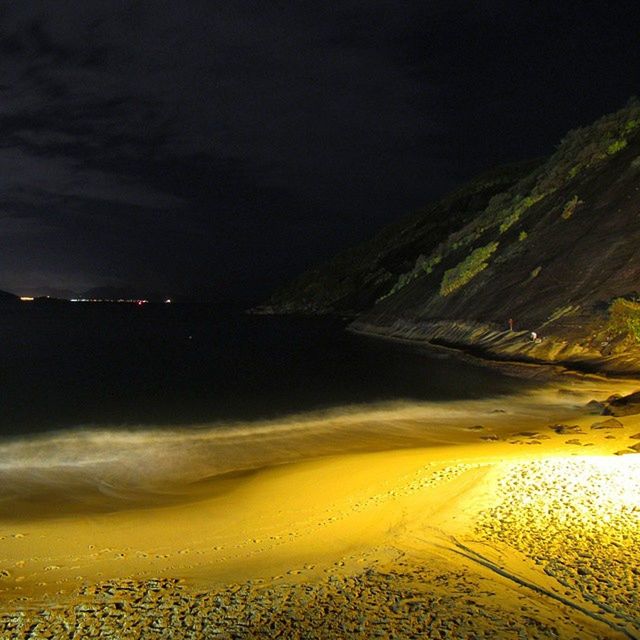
(26, 298)
(167, 301)
(119, 300)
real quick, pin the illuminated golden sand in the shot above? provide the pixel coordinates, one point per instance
(496, 527)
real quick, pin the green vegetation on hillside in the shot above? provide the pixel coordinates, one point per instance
(397, 255)
(624, 318)
(471, 266)
(424, 265)
(587, 147)
(507, 223)
(511, 216)
(581, 150)
(570, 207)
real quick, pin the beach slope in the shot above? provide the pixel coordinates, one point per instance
(504, 528)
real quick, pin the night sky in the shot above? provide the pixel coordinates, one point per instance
(217, 148)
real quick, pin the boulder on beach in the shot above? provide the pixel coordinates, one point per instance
(566, 428)
(595, 407)
(611, 423)
(624, 405)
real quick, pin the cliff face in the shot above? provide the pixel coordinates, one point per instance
(555, 251)
(557, 254)
(358, 277)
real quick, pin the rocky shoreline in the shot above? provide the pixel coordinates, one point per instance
(499, 344)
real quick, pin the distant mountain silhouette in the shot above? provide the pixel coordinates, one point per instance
(5, 296)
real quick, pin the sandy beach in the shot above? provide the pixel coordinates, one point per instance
(507, 518)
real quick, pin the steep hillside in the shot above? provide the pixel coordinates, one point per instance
(355, 279)
(557, 253)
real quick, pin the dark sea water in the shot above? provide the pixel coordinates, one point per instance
(90, 365)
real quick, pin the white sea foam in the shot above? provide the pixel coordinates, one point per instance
(120, 460)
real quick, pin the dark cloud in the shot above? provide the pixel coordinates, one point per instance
(224, 145)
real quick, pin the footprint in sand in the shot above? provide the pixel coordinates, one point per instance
(183, 552)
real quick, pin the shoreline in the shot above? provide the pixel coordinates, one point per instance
(472, 345)
(494, 359)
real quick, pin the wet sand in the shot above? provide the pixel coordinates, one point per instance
(512, 518)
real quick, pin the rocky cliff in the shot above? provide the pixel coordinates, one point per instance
(354, 280)
(554, 253)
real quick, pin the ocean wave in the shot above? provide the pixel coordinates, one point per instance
(122, 462)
